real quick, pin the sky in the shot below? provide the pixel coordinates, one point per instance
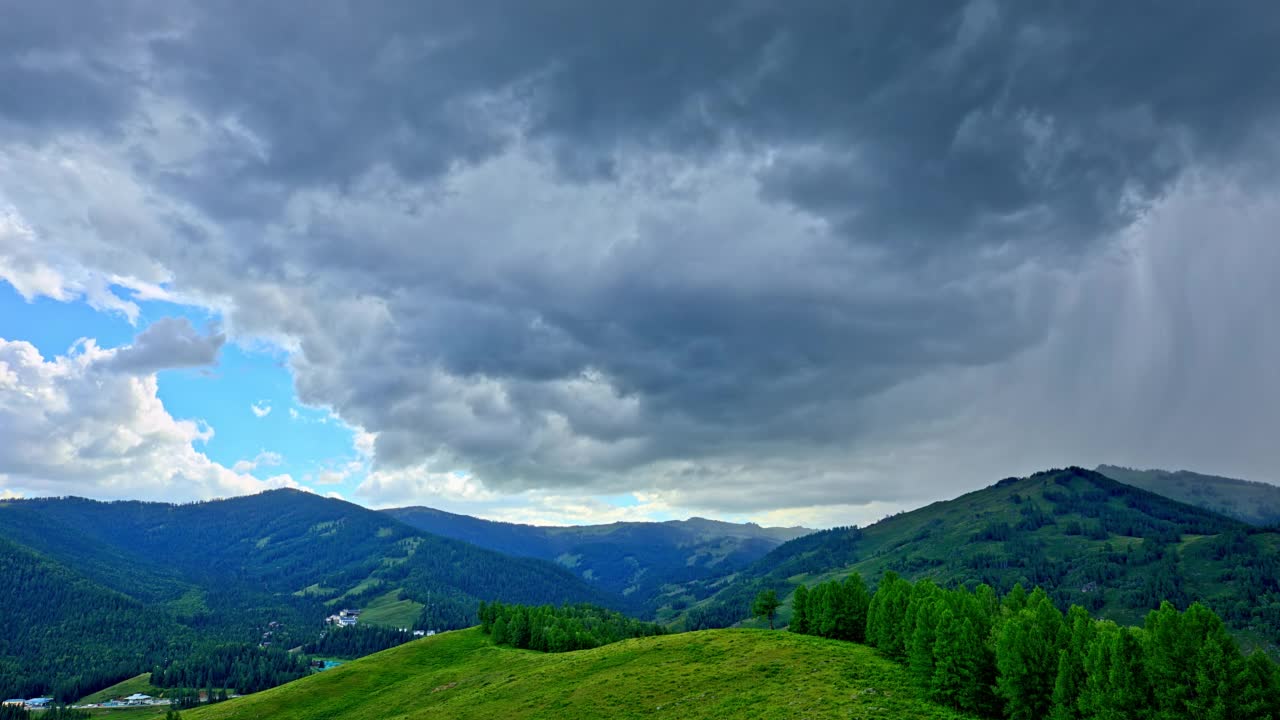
(795, 263)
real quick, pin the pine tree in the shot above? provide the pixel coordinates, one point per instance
(766, 605)
(1027, 658)
(1016, 599)
(887, 615)
(800, 610)
(1071, 675)
(853, 625)
(1260, 695)
(920, 651)
(499, 633)
(1219, 680)
(954, 668)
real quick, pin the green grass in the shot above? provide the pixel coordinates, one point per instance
(129, 713)
(720, 674)
(137, 684)
(391, 611)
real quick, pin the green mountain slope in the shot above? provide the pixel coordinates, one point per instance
(222, 572)
(1115, 549)
(1256, 503)
(719, 674)
(633, 559)
(58, 624)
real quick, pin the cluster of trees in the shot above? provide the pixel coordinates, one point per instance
(559, 629)
(836, 610)
(356, 641)
(12, 712)
(186, 699)
(1020, 657)
(247, 668)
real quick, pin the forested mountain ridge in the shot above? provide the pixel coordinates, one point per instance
(636, 560)
(1256, 503)
(1115, 549)
(223, 571)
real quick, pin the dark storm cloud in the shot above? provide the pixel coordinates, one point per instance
(554, 240)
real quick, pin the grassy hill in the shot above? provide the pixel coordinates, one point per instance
(136, 684)
(634, 560)
(1087, 539)
(1256, 503)
(718, 674)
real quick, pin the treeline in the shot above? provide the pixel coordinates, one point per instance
(559, 629)
(356, 641)
(186, 699)
(1019, 657)
(13, 712)
(247, 668)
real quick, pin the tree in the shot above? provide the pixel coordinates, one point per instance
(1027, 658)
(887, 616)
(853, 623)
(1260, 699)
(800, 610)
(1071, 674)
(766, 605)
(955, 678)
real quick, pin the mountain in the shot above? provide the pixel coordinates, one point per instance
(717, 675)
(1256, 503)
(1087, 539)
(56, 624)
(222, 571)
(634, 560)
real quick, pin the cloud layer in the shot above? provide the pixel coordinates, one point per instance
(746, 256)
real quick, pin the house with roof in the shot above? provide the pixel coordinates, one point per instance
(14, 702)
(137, 699)
(39, 703)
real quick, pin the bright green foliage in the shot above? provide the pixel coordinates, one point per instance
(559, 629)
(1116, 687)
(922, 617)
(1071, 677)
(956, 660)
(766, 605)
(1188, 655)
(1219, 680)
(800, 611)
(1016, 599)
(1027, 658)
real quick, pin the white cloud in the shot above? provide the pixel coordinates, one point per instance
(266, 458)
(293, 414)
(260, 409)
(71, 426)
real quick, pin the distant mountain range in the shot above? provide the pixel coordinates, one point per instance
(634, 560)
(94, 592)
(1256, 503)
